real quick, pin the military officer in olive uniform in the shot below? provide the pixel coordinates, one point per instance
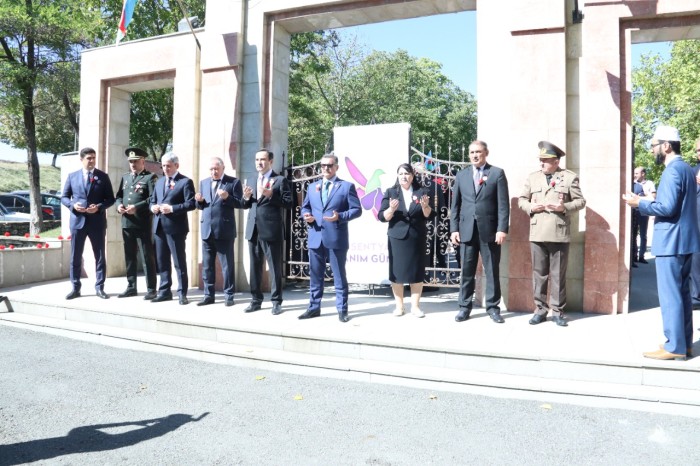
(550, 196)
(132, 202)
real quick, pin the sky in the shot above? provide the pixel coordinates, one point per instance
(449, 39)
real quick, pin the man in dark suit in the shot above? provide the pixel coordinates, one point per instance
(172, 198)
(479, 225)
(133, 196)
(265, 229)
(329, 205)
(217, 198)
(676, 239)
(88, 194)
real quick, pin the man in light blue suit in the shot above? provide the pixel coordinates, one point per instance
(329, 205)
(88, 194)
(676, 238)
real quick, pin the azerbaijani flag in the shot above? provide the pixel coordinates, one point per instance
(127, 13)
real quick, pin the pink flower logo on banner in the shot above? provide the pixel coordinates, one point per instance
(369, 191)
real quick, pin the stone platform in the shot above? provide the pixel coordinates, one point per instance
(596, 355)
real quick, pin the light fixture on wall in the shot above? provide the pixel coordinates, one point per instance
(576, 14)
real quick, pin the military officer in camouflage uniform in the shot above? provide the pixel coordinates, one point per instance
(550, 196)
(132, 202)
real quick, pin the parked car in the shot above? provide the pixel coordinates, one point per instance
(47, 199)
(7, 216)
(17, 203)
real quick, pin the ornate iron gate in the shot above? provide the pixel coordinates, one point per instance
(443, 269)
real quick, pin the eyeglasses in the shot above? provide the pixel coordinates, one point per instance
(657, 144)
(327, 165)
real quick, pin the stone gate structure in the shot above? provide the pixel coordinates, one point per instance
(547, 69)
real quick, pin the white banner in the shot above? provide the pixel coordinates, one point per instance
(368, 158)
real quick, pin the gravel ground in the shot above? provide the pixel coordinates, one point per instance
(71, 402)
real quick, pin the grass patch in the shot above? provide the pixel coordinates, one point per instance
(53, 233)
(15, 175)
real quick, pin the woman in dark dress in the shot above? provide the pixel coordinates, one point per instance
(406, 206)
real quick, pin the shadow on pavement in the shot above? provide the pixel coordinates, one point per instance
(87, 439)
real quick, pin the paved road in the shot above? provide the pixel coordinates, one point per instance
(69, 402)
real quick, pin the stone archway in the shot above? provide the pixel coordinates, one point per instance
(541, 75)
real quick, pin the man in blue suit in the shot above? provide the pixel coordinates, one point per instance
(676, 238)
(172, 198)
(327, 208)
(88, 194)
(695, 273)
(217, 197)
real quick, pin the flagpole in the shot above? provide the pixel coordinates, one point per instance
(187, 18)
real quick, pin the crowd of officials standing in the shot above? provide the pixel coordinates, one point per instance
(155, 224)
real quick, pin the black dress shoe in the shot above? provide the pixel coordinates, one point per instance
(642, 261)
(252, 307)
(495, 316)
(309, 314)
(538, 319)
(101, 294)
(150, 295)
(228, 302)
(462, 315)
(184, 301)
(343, 316)
(696, 306)
(276, 309)
(162, 297)
(204, 302)
(73, 294)
(560, 320)
(127, 293)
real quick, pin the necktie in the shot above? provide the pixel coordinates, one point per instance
(167, 186)
(214, 187)
(261, 180)
(477, 178)
(549, 179)
(88, 181)
(326, 190)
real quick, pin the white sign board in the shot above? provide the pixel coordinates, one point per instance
(369, 157)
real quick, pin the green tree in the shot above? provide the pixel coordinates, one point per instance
(667, 92)
(334, 84)
(37, 39)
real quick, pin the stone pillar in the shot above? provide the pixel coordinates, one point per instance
(119, 113)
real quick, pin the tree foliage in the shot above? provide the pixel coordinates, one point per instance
(667, 92)
(340, 84)
(39, 39)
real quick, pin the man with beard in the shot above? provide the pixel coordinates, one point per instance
(676, 238)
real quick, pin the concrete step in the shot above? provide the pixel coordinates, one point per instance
(386, 349)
